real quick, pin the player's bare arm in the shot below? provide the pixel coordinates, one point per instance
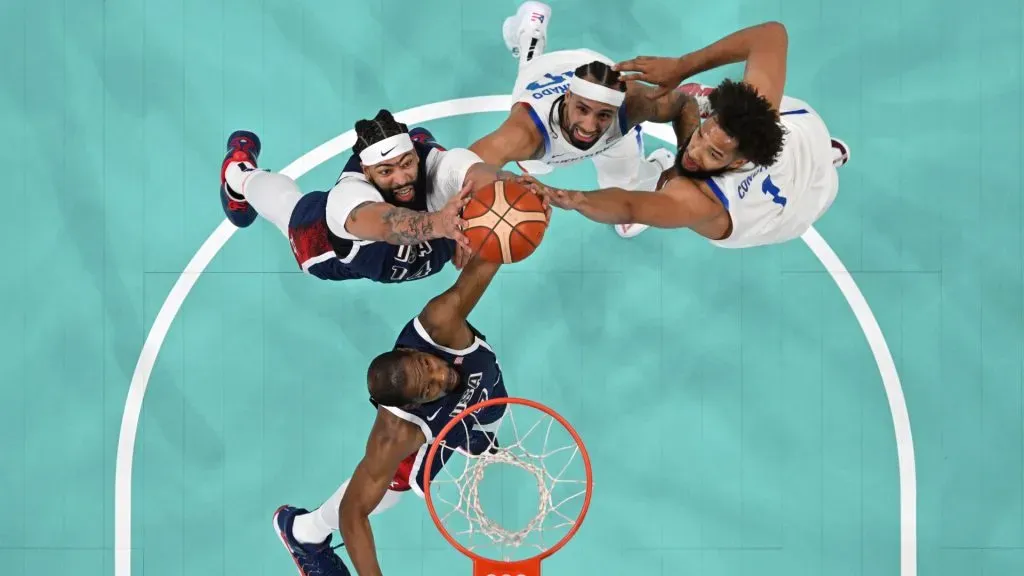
(444, 317)
(644, 105)
(383, 222)
(516, 140)
(763, 47)
(680, 203)
(391, 440)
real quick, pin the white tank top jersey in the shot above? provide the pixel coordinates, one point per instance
(779, 203)
(539, 86)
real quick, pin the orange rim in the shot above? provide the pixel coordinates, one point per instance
(472, 409)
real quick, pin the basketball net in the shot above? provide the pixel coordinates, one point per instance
(455, 496)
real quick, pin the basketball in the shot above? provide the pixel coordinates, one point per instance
(505, 222)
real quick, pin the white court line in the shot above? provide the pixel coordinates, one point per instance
(464, 106)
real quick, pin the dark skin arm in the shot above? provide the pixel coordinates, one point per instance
(680, 203)
(391, 441)
(516, 140)
(763, 47)
(644, 105)
(444, 317)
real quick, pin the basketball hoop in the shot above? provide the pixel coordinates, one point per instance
(542, 464)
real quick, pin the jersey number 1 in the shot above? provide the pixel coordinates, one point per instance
(769, 188)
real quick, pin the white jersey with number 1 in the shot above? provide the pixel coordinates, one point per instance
(774, 204)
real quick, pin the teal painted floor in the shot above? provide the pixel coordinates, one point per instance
(734, 412)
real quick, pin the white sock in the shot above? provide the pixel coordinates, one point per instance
(315, 527)
(273, 195)
(236, 175)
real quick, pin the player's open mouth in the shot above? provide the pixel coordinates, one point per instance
(584, 136)
(404, 194)
(689, 164)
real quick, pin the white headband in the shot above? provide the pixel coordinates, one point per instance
(588, 89)
(387, 149)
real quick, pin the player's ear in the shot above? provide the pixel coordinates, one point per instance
(738, 162)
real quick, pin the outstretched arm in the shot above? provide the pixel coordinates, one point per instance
(680, 203)
(644, 104)
(444, 317)
(516, 140)
(391, 440)
(383, 222)
(763, 47)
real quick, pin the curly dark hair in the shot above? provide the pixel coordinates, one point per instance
(369, 132)
(748, 118)
(386, 378)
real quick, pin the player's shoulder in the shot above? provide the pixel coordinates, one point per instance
(355, 185)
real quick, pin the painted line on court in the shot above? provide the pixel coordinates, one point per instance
(460, 107)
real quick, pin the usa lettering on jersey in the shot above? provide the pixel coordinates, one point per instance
(406, 256)
(472, 383)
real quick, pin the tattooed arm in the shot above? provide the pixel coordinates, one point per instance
(383, 222)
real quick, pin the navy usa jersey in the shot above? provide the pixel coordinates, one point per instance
(330, 257)
(480, 375)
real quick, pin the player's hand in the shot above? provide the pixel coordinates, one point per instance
(564, 199)
(449, 218)
(462, 256)
(666, 73)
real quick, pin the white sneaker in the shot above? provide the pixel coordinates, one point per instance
(527, 30)
(840, 153)
(664, 158)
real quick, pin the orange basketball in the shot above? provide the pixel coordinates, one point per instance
(505, 222)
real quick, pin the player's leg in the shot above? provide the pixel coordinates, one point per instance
(247, 191)
(308, 535)
(525, 33)
(624, 166)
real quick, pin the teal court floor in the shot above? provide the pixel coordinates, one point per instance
(737, 413)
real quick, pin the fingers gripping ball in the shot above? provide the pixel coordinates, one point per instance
(505, 222)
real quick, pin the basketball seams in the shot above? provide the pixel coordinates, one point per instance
(516, 231)
(501, 218)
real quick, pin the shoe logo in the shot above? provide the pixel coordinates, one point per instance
(434, 415)
(386, 152)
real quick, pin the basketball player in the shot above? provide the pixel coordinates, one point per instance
(571, 105)
(439, 366)
(760, 170)
(392, 216)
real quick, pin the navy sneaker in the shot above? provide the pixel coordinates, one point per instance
(243, 146)
(311, 559)
(424, 136)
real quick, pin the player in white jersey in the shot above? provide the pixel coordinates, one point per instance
(572, 106)
(761, 169)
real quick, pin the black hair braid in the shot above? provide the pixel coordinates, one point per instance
(597, 72)
(369, 132)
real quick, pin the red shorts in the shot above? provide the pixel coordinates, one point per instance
(400, 483)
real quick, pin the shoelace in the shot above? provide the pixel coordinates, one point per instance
(336, 562)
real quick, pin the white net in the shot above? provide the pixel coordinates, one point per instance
(527, 455)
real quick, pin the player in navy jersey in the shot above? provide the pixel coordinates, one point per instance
(392, 216)
(440, 365)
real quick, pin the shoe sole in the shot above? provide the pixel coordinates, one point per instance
(284, 542)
